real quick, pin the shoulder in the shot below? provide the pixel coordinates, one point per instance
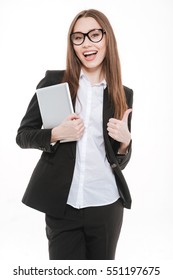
(52, 77)
(129, 96)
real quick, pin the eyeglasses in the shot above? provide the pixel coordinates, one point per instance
(94, 35)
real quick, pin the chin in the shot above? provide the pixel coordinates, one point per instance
(91, 65)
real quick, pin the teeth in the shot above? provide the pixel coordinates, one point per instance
(89, 53)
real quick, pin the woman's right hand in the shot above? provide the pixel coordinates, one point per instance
(72, 129)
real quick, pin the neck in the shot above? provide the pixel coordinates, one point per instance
(94, 75)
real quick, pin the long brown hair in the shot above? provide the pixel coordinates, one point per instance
(111, 63)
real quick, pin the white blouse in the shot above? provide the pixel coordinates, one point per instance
(93, 182)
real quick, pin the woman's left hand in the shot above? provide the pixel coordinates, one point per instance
(118, 129)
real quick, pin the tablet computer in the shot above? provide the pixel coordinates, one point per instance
(55, 104)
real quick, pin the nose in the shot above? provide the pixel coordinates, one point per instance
(86, 41)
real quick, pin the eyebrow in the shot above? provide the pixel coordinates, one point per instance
(87, 31)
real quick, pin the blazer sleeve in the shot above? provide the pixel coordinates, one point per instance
(124, 159)
(30, 134)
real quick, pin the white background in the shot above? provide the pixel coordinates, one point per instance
(33, 39)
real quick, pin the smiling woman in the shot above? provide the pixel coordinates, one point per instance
(90, 52)
(79, 184)
(84, 22)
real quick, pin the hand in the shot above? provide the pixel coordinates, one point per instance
(72, 128)
(118, 129)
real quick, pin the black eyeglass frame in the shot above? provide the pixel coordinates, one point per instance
(87, 35)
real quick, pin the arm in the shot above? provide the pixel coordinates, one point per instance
(30, 134)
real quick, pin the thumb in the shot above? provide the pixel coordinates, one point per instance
(126, 115)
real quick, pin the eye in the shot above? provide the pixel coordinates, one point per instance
(95, 34)
(77, 37)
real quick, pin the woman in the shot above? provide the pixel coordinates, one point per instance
(79, 184)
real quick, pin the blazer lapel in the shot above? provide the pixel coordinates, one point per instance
(108, 112)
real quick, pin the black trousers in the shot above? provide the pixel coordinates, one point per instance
(85, 234)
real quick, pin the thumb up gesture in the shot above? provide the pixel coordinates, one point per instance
(118, 129)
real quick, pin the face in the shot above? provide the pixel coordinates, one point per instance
(90, 54)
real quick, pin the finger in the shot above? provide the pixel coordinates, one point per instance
(114, 123)
(78, 122)
(126, 115)
(113, 120)
(111, 130)
(112, 135)
(81, 126)
(73, 117)
(79, 131)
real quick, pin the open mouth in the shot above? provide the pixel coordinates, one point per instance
(87, 54)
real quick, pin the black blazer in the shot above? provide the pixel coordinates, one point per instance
(50, 182)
